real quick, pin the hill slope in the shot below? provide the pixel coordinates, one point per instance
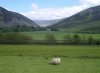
(9, 19)
(44, 23)
(85, 20)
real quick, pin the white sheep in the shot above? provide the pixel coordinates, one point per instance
(55, 61)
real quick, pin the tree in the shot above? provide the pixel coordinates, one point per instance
(76, 39)
(83, 40)
(14, 38)
(54, 29)
(67, 39)
(91, 40)
(50, 39)
(97, 42)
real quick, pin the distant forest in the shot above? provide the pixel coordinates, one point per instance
(24, 28)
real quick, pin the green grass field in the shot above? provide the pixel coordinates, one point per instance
(59, 35)
(36, 58)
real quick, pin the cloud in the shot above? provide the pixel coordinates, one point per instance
(38, 13)
(91, 2)
(52, 13)
(34, 6)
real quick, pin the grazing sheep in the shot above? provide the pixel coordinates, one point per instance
(55, 61)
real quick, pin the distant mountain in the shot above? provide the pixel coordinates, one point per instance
(44, 23)
(9, 19)
(86, 20)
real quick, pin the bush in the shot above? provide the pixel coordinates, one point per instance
(67, 39)
(50, 39)
(76, 39)
(14, 38)
(91, 40)
(97, 42)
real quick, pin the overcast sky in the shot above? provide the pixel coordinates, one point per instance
(48, 9)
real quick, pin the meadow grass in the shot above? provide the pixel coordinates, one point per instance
(58, 34)
(36, 58)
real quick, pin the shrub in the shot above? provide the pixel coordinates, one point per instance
(67, 39)
(14, 38)
(50, 39)
(76, 39)
(91, 40)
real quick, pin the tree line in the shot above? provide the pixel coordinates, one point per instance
(72, 40)
(14, 38)
(77, 40)
(18, 38)
(24, 28)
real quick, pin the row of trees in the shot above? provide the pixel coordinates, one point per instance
(18, 38)
(74, 40)
(14, 38)
(21, 28)
(24, 28)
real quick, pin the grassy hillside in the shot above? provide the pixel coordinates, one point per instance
(86, 19)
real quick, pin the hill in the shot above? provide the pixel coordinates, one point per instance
(45, 23)
(85, 21)
(10, 19)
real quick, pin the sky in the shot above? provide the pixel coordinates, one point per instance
(48, 9)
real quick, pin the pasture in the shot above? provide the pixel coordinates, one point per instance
(40, 35)
(36, 58)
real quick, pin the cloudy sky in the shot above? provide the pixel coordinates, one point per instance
(48, 9)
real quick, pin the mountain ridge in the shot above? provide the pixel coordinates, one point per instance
(85, 19)
(10, 19)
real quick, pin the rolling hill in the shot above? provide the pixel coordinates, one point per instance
(87, 20)
(10, 19)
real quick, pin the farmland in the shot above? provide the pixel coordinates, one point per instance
(59, 35)
(36, 58)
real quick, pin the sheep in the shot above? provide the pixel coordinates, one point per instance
(55, 61)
